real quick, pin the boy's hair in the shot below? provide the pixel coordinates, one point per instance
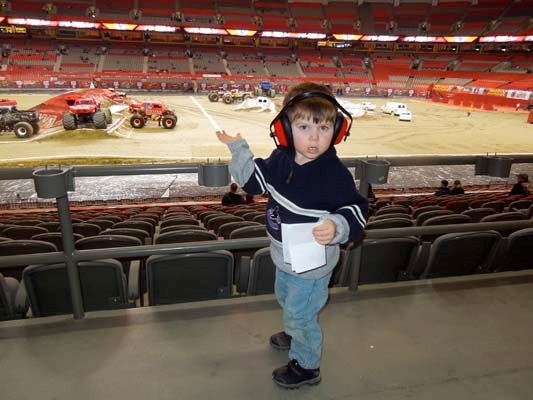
(317, 108)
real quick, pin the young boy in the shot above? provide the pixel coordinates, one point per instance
(306, 183)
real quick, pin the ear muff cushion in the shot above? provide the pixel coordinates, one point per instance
(340, 129)
(282, 130)
(279, 132)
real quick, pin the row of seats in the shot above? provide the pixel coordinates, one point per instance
(209, 275)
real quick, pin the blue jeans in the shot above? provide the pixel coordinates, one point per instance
(301, 300)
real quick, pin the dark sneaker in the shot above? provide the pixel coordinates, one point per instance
(281, 341)
(292, 376)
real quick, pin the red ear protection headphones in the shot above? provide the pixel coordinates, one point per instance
(280, 127)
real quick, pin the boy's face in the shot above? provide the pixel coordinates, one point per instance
(311, 139)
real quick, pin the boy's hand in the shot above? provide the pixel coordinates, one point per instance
(325, 232)
(227, 139)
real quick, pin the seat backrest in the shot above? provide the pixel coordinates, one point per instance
(51, 226)
(195, 235)
(393, 209)
(497, 205)
(8, 290)
(447, 220)
(86, 229)
(190, 220)
(504, 216)
(22, 232)
(457, 206)
(56, 238)
(101, 222)
(213, 223)
(461, 253)
(523, 204)
(136, 224)
(391, 215)
(261, 218)
(476, 214)
(19, 247)
(29, 222)
(430, 214)
(224, 230)
(103, 287)
(137, 233)
(518, 254)
(417, 211)
(389, 223)
(383, 260)
(249, 232)
(107, 241)
(262, 273)
(181, 228)
(179, 278)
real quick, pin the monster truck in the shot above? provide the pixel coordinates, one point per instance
(150, 110)
(85, 110)
(229, 97)
(266, 89)
(8, 103)
(23, 123)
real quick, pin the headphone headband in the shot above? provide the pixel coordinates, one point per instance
(280, 127)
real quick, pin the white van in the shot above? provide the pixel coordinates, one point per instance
(392, 107)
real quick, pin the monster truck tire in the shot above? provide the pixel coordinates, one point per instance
(108, 116)
(213, 97)
(69, 122)
(227, 99)
(23, 130)
(99, 120)
(137, 121)
(36, 127)
(272, 93)
(169, 121)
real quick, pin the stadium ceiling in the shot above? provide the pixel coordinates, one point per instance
(371, 17)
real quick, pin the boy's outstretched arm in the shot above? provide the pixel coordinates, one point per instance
(227, 139)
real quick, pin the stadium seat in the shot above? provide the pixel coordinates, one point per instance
(389, 223)
(257, 274)
(8, 292)
(417, 211)
(224, 230)
(56, 238)
(383, 260)
(190, 220)
(249, 232)
(214, 223)
(430, 214)
(181, 228)
(22, 232)
(85, 229)
(462, 253)
(179, 278)
(392, 209)
(103, 287)
(20, 247)
(389, 216)
(517, 253)
(51, 226)
(184, 236)
(140, 234)
(136, 224)
(497, 205)
(476, 214)
(101, 222)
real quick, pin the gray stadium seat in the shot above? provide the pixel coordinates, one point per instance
(179, 278)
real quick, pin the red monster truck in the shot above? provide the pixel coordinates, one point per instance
(85, 110)
(150, 110)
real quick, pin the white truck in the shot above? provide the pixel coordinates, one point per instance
(393, 108)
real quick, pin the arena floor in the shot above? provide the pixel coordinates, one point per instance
(435, 129)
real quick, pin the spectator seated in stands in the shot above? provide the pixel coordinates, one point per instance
(521, 186)
(457, 188)
(249, 198)
(444, 188)
(232, 197)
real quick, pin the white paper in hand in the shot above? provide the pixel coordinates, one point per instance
(300, 248)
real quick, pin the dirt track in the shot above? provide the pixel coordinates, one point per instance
(435, 129)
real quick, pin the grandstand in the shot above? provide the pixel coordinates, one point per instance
(169, 294)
